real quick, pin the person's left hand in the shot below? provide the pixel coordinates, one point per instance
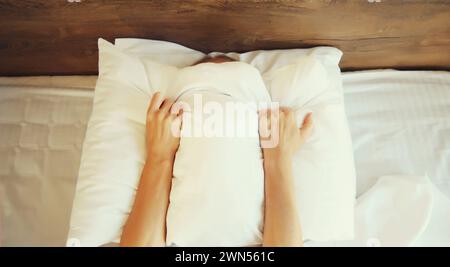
(163, 126)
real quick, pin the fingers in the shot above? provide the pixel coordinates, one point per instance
(166, 105)
(305, 130)
(155, 102)
(160, 105)
(175, 126)
(177, 109)
(264, 123)
(177, 120)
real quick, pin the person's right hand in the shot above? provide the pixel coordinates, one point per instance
(281, 219)
(162, 120)
(290, 138)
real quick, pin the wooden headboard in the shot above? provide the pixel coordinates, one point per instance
(56, 37)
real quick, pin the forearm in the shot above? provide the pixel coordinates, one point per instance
(281, 223)
(146, 224)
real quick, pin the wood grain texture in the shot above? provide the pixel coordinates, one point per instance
(58, 37)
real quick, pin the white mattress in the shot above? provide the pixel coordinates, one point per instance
(42, 125)
(400, 124)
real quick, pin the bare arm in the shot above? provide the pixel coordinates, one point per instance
(282, 221)
(146, 224)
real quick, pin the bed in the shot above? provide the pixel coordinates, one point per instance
(388, 111)
(399, 119)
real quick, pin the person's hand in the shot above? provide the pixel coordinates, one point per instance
(290, 138)
(163, 126)
(281, 219)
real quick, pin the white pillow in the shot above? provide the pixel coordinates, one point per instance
(217, 195)
(324, 169)
(108, 176)
(113, 150)
(218, 177)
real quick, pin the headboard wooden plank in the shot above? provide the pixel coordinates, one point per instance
(57, 37)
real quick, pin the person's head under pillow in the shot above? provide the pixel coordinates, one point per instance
(146, 224)
(216, 59)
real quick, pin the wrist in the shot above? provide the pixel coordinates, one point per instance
(272, 159)
(159, 169)
(160, 165)
(155, 159)
(278, 169)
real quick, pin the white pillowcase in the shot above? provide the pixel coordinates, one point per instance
(113, 152)
(217, 194)
(327, 196)
(324, 167)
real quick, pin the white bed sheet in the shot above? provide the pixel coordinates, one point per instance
(42, 125)
(400, 124)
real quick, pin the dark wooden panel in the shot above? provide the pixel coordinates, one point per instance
(59, 37)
